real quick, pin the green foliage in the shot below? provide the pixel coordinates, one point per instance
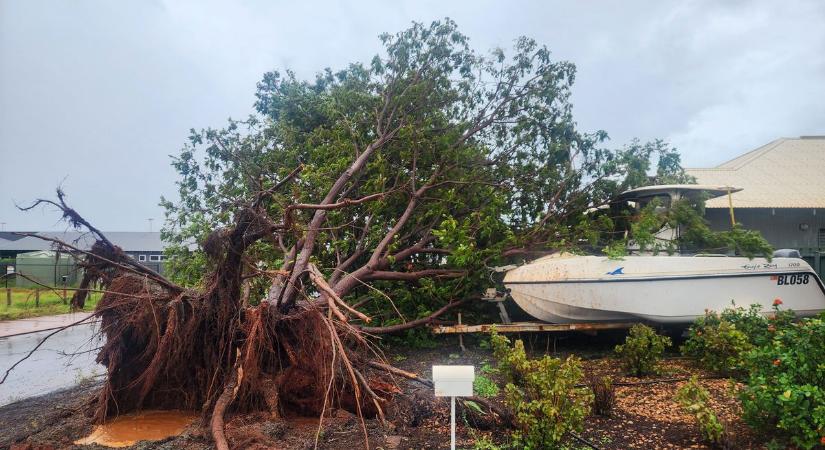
(616, 250)
(696, 235)
(415, 338)
(642, 350)
(695, 399)
(485, 443)
(720, 341)
(484, 343)
(716, 344)
(485, 387)
(686, 215)
(542, 394)
(785, 388)
(749, 321)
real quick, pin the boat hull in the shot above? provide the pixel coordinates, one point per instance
(658, 288)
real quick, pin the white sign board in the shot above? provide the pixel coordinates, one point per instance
(9, 270)
(453, 381)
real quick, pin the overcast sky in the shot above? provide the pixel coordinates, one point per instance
(97, 94)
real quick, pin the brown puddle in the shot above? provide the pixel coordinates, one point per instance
(126, 430)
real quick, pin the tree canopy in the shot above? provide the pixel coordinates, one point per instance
(417, 170)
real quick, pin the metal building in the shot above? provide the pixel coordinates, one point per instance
(783, 195)
(46, 268)
(145, 247)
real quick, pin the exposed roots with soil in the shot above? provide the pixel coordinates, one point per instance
(167, 347)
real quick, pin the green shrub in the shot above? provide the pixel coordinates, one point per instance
(785, 388)
(716, 344)
(542, 394)
(694, 398)
(642, 349)
(485, 443)
(757, 327)
(719, 341)
(749, 321)
(485, 387)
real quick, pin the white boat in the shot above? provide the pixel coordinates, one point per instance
(564, 288)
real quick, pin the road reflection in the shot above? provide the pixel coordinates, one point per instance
(65, 360)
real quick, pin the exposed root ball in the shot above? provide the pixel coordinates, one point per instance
(178, 351)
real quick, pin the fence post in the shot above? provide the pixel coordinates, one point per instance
(37, 298)
(63, 280)
(8, 297)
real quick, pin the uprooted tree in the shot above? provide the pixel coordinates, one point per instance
(366, 202)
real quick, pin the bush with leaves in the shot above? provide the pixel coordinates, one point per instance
(716, 344)
(719, 341)
(542, 394)
(695, 399)
(485, 443)
(642, 350)
(758, 327)
(749, 321)
(484, 386)
(785, 388)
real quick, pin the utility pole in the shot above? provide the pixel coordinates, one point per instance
(2, 226)
(150, 223)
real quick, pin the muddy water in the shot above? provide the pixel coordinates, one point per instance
(128, 429)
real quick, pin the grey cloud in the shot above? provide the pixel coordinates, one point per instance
(100, 93)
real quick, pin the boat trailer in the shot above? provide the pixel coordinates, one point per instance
(507, 326)
(523, 327)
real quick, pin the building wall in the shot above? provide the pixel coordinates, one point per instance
(782, 227)
(157, 266)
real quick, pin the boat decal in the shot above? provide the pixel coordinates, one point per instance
(616, 272)
(765, 266)
(787, 280)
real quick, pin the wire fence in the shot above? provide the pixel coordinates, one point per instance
(50, 275)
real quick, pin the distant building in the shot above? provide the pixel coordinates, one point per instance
(783, 195)
(145, 247)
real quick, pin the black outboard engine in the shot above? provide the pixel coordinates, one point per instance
(787, 253)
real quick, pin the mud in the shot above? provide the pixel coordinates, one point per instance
(126, 430)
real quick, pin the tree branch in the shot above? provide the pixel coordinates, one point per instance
(414, 276)
(341, 204)
(413, 323)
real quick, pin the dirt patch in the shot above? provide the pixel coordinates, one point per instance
(645, 417)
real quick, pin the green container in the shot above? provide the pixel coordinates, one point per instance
(47, 268)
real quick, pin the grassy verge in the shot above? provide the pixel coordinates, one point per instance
(23, 304)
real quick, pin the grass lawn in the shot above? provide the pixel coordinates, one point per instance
(51, 302)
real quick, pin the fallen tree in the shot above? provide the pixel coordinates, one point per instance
(367, 202)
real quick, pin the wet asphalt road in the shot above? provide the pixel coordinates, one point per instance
(62, 362)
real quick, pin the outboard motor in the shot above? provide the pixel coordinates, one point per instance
(787, 253)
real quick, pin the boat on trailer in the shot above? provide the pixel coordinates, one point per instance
(565, 288)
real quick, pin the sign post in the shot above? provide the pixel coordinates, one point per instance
(453, 381)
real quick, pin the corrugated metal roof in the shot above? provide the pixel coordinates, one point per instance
(130, 241)
(786, 173)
